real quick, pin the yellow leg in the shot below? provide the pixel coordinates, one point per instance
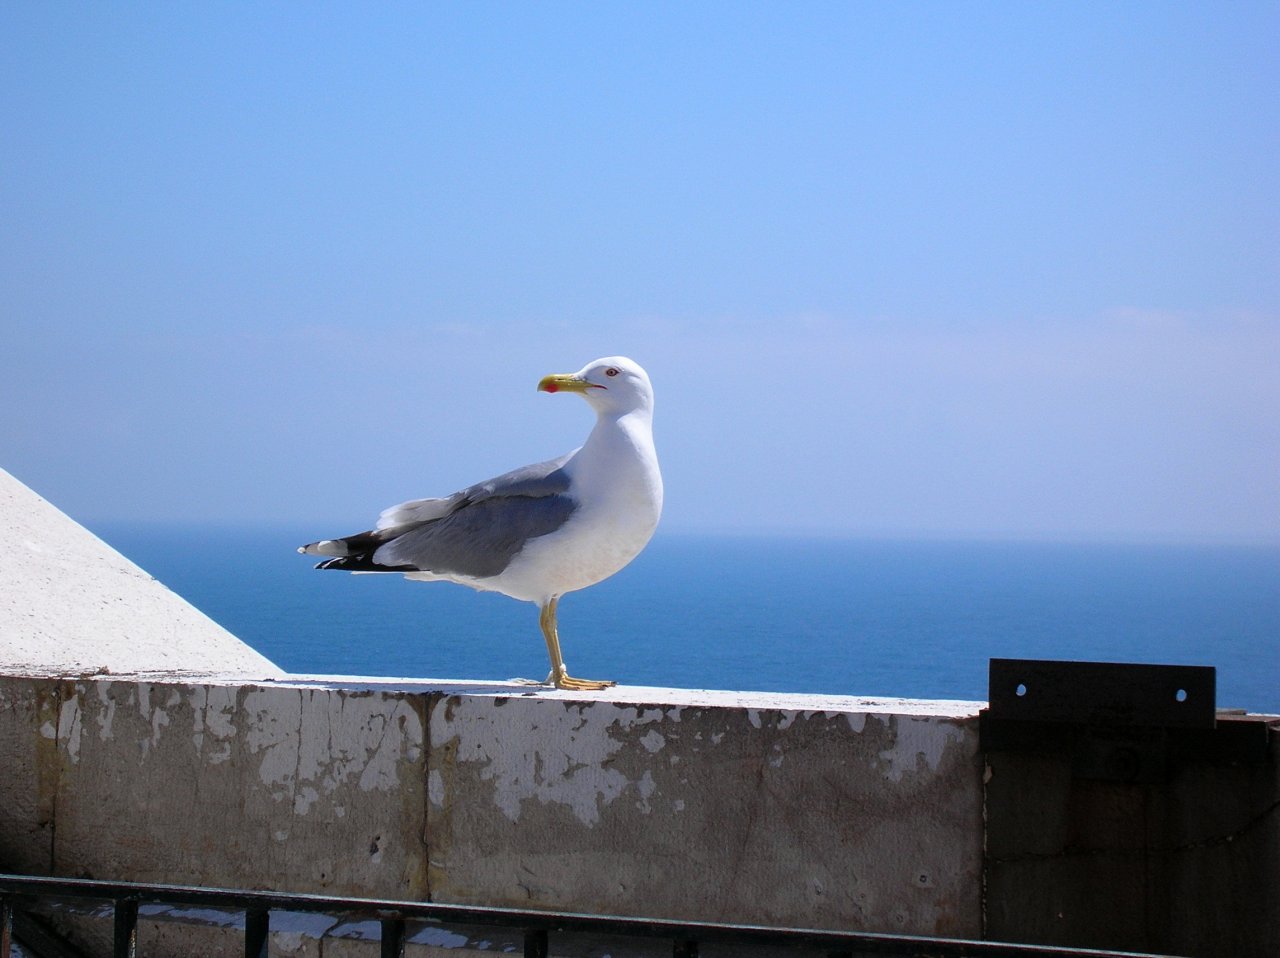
(559, 676)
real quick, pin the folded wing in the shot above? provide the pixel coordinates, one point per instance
(473, 533)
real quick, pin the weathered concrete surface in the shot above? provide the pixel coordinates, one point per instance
(73, 605)
(796, 810)
(29, 772)
(824, 813)
(792, 810)
(1187, 865)
(264, 787)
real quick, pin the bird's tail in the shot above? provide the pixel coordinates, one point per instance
(357, 544)
(364, 562)
(354, 553)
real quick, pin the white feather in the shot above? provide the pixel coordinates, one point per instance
(415, 510)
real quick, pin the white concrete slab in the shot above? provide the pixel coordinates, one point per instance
(652, 695)
(72, 605)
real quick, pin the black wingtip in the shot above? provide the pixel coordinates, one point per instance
(362, 563)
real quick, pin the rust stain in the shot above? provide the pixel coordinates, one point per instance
(417, 806)
(438, 761)
(49, 759)
(48, 763)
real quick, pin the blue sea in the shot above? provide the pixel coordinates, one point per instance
(916, 619)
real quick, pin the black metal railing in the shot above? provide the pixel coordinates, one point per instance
(536, 927)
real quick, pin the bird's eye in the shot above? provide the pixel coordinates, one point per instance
(611, 371)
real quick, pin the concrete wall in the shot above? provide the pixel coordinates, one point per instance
(798, 810)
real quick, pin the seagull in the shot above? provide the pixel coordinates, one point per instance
(540, 531)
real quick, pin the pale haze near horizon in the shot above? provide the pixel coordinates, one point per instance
(912, 270)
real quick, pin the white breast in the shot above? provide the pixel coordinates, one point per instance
(616, 480)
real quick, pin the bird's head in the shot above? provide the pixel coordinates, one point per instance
(614, 384)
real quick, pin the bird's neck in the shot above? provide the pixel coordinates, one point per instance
(634, 428)
(619, 464)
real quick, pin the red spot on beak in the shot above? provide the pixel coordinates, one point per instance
(551, 388)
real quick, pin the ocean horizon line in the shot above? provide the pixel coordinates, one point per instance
(940, 537)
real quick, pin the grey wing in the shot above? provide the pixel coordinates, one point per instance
(488, 526)
(540, 479)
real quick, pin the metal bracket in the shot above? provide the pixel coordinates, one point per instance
(1116, 721)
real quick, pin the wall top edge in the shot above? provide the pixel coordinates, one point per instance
(618, 695)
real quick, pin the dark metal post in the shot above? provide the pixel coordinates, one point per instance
(125, 937)
(535, 944)
(6, 926)
(257, 929)
(392, 938)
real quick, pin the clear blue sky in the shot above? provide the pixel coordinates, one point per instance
(996, 269)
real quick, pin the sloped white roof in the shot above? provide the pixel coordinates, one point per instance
(70, 604)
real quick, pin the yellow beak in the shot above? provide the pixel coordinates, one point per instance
(563, 381)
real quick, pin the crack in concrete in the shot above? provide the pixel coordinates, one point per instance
(57, 779)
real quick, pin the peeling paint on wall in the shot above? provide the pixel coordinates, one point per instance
(157, 716)
(563, 758)
(213, 710)
(917, 740)
(313, 742)
(435, 788)
(787, 812)
(69, 728)
(748, 812)
(107, 716)
(272, 729)
(653, 741)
